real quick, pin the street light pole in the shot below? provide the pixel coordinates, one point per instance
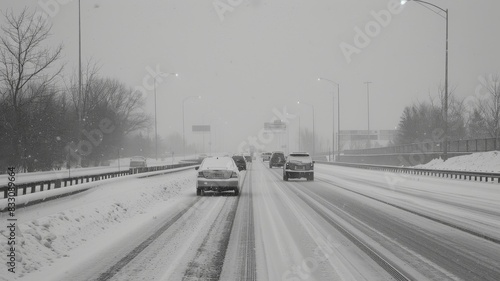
(368, 109)
(156, 125)
(333, 113)
(79, 103)
(445, 149)
(79, 59)
(288, 139)
(204, 122)
(299, 134)
(119, 170)
(288, 134)
(312, 106)
(183, 127)
(314, 135)
(338, 123)
(183, 133)
(445, 106)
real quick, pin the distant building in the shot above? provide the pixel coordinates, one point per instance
(358, 139)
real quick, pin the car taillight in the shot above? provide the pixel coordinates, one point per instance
(287, 166)
(234, 175)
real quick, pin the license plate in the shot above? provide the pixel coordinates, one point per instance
(299, 168)
(218, 175)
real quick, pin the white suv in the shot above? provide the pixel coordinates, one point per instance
(298, 165)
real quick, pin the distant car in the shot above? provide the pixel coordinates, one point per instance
(266, 156)
(277, 159)
(298, 165)
(138, 162)
(248, 157)
(217, 174)
(240, 161)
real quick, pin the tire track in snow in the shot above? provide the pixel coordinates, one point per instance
(449, 224)
(394, 270)
(137, 250)
(250, 270)
(241, 261)
(209, 260)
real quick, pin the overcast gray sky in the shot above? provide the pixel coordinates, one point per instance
(261, 55)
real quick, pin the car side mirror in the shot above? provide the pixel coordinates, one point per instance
(196, 168)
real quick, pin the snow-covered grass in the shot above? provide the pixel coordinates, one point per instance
(476, 162)
(50, 234)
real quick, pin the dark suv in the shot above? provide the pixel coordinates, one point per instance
(240, 162)
(277, 159)
(299, 165)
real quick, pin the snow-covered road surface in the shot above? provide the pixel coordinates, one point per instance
(349, 224)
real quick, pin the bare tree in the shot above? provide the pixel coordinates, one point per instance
(104, 100)
(24, 61)
(476, 125)
(123, 101)
(88, 99)
(489, 107)
(420, 120)
(22, 56)
(100, 93)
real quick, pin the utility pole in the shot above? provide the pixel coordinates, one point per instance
(368, 109)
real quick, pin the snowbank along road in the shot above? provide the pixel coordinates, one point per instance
(348, 224)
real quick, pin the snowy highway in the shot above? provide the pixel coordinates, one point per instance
(249, 140)
(348, 224)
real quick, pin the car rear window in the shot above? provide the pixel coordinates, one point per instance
(137, 160)
(300, 154)
(301, 158)
(217, 163)
(238, 158)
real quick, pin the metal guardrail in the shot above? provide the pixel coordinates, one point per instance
(464, 175)
(39, 186)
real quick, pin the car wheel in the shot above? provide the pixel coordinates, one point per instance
(198, 192)
(311, 177)
(285, 176)
(236, 192)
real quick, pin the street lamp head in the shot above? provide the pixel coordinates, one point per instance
(176, 74)
(319, 79)
(298, 102)
(199, 97)
(403, 2)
